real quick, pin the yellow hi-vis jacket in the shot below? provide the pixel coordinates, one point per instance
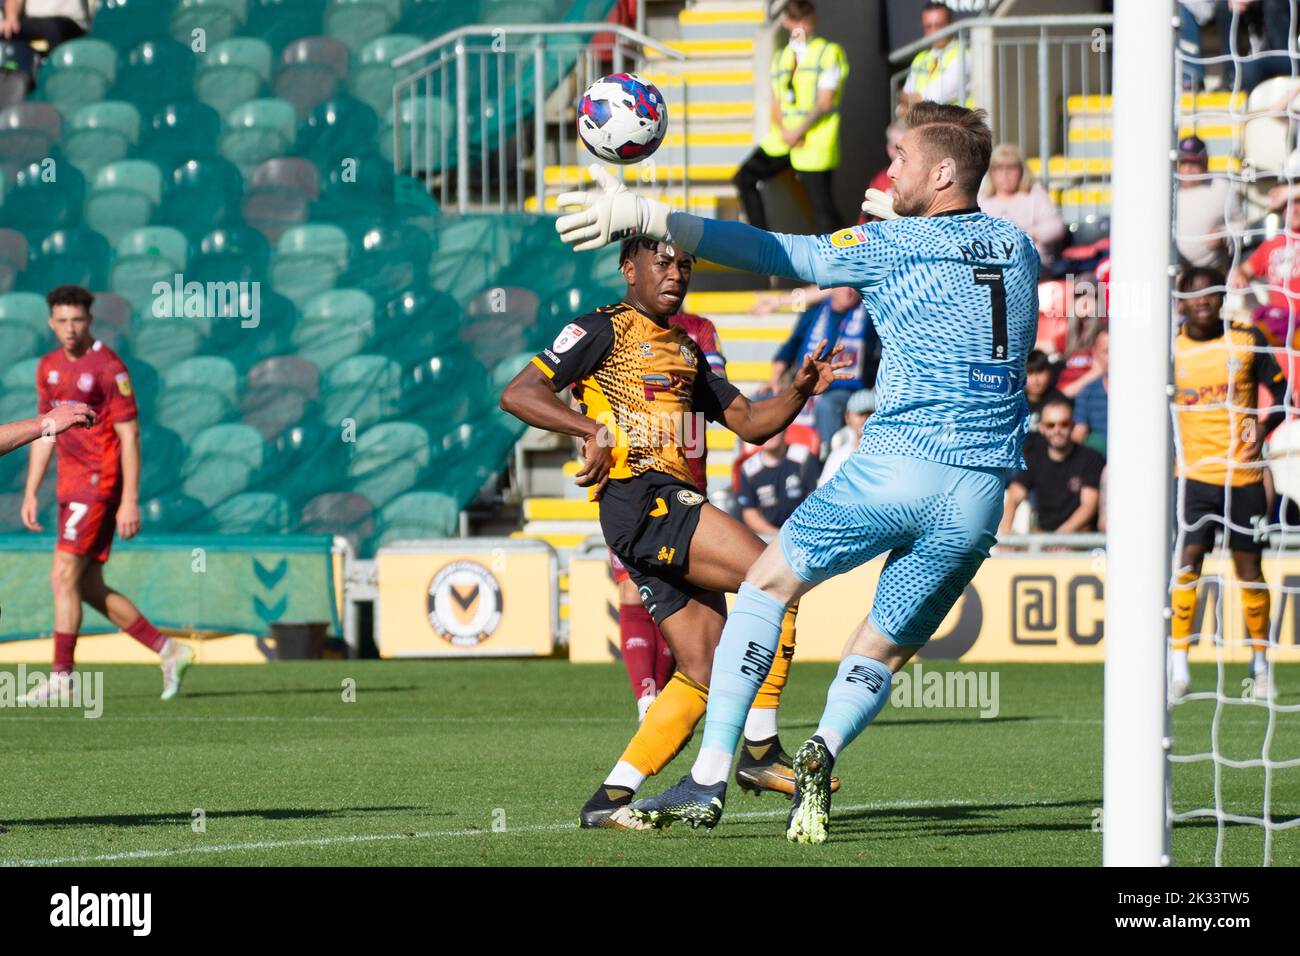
(795, 87)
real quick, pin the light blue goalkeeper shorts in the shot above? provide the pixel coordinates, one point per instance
(937, 521)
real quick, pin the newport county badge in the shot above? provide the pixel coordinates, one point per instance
(464, 603)
(689, 355)
(689, 498)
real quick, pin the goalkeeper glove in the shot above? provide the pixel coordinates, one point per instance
(878, 204)
(610, 215)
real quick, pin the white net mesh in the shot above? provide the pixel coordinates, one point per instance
(1235, 760)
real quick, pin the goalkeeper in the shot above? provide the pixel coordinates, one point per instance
(954, 296)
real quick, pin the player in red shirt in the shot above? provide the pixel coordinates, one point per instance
(1276, 262)
(98, 486)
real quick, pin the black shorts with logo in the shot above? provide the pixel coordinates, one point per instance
(1203, 511)
(648, 522)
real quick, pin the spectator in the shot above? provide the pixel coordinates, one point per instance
(893, 136)
(774, 482)
(841, 320)
(52, 21)
(1208, 208)
(1085, 366)
(861, 406)
(938, 74)
(1271, 21)
(1064, 477)
(1193, 16)
(1010, 192)
(1092, 401)
(808, 77)
(1038, 385)
(1276, 262)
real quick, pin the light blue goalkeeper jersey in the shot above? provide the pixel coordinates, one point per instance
(955, 300)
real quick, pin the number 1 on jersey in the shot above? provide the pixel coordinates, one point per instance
(991, 276)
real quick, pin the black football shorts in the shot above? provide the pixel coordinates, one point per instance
(648, 522)
(1204, 507)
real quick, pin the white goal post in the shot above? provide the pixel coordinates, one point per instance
(1135, 829)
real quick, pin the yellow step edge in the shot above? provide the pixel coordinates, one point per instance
(1085, 197)
(561, 542)
(1207, 131)
(702, 17)
(1101, 165)
(704, 303)
(564, 582)
(560, 509)
(738, 109)
(564, 612)
(701, 77)
(718, 469)
(719, 439)
(696, 204)
(577, 175)
(1098, 103)
(717, 48)
(749, 371)
(761, 333)
(719, 138)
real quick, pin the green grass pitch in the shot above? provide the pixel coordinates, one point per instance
(488, 762)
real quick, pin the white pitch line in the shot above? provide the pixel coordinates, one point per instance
(422, 835)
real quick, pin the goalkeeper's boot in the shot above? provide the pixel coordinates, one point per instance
(176, 660)
(687, 801)
(607, 809)
(810, 813)
(1261, 685)
(764, 765)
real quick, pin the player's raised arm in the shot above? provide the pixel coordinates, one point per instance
(756, 422)
(614, 213)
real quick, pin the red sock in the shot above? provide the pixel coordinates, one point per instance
(636, 635)
(147, 634)
(665, 663)
(64, 646)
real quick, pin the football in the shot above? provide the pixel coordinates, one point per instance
(622, 118)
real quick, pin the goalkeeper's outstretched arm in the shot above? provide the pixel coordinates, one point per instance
(615, 213)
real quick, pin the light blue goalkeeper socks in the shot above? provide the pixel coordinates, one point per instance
(740, 665)
(858, 693)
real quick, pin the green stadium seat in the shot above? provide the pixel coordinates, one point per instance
(111, 309)
(167, 342)
(78, 72)
(335, 325)
(357, 22)
(382, 485)
(391, 260)
(432, 18)
(233, 440)
(257, 131)
(338, 129)
(433, 120)
(212, 371)
(339, 512)
(213, 479)
(312, 70)
(162, 456)
(43, 196)
(123, 197)
(18, 405)
(101, 133)
(253, 512)
(188, 409)
(233, 72)
(20, 375)
(364, 388)
(372, 82)
(28, 132)
(259, 328)
(147, 256)
(181, 131)
(388, 442)
(14, 255)
(25, 307)
(419, 514)
(203, 194)
(18, 340)
(308, 260)
(218, 19)
(74, 255)
(171, 511)
(280, 22)
(156, 72)
(462, 275)
(127, 23)
(231, 253)
(272, 409)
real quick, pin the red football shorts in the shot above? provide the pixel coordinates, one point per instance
(615, 565)
(87, 527)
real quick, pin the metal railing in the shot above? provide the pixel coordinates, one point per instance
(482, 113)
(1023, 70)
